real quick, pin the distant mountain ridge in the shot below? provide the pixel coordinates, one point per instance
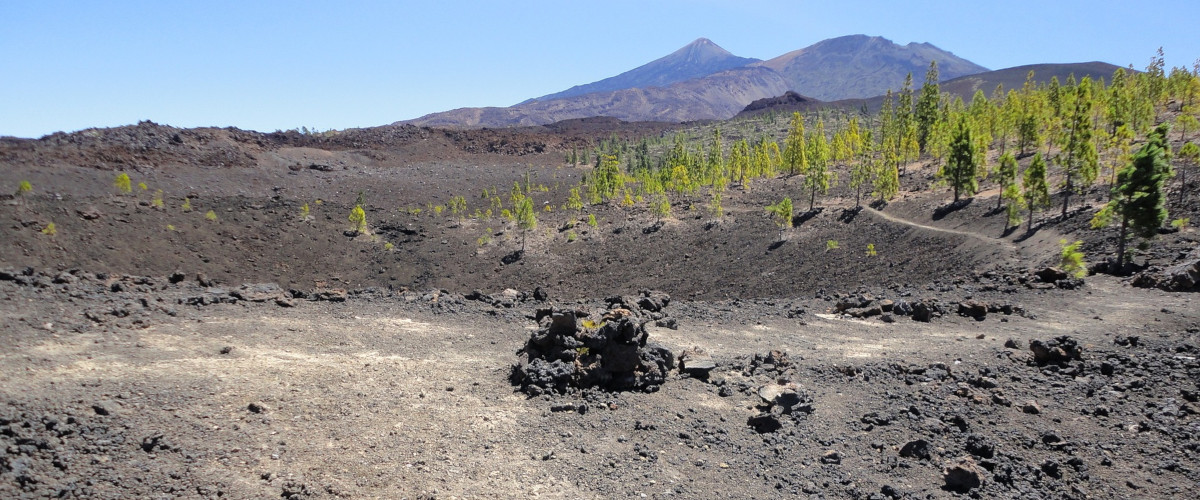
(963, 86)
(704, 81)
(700, 58)
(859, 66)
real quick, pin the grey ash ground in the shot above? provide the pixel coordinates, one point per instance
(261, 355)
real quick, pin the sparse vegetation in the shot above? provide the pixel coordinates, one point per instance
(187, 205)
(157, 200)
(358, 219)
(304, 213)
(123, 184)
(211, 216)
(526, 218)
(1072, 259)
(871, 250)
(24, 188)
(831, 245)
(50, 229)
(781, 213)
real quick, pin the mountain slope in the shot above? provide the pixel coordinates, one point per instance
(700, 58)
(716, 96)
(859, 66)
(1014, 78)
(963, 86)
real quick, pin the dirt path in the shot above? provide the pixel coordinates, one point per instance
(891, 218)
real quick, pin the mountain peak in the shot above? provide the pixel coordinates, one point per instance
(699, 58)
(700, 51)
(860, 66)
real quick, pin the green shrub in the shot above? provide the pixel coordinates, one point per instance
(358, 218)
(187, 205)
(23, 188)
(210, 215)
(1072, 259)
(831, 245)
(592, 220)
(571, 236)
(50, 229)
(871, 250)
(123, 183)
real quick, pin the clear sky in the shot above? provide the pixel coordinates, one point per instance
(266, 65)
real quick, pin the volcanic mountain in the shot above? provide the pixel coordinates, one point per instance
(859, 66)
(700, 58)
(703, 81)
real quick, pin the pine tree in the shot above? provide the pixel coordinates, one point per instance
(1036, 192)
(927, 106)
(781, 213)
(1010, 191)
(1082, 164)
(1138, 198)
(794, 154)
(1189, 154)
(526, 218)
(819, 177)
(1006, 176)
(959, 170)
(1028, 109)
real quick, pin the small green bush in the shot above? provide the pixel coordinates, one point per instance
(831, 245)
(358, 218)
(210, 215)
(123, 183)
(1072, 259)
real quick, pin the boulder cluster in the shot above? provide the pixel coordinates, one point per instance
(576, 349)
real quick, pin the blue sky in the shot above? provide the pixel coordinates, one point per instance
(69, 65)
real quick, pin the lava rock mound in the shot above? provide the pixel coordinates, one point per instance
(569, 351)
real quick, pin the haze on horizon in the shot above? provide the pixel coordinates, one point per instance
(275, 65)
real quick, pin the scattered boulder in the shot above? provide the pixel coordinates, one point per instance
(923, 312)
(962, 475)
(259, 292)
(1061, 350)
(916, 449)
(1181, 277)
(696, 362)
(973, 309)
(1051, 275)
(329, 295)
